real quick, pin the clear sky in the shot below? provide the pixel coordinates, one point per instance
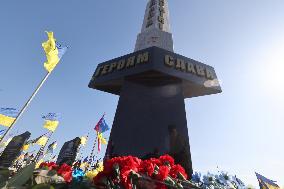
(239, 131)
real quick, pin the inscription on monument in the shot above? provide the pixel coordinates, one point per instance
(185, 66)
(152, 13)
(122, 64)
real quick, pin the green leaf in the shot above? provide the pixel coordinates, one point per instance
(22, 176)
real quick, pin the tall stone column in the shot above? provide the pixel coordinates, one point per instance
(152, 83)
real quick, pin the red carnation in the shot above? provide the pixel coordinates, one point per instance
(177, 169)
(167, 159)
(147, 167)
(66, 172)
(156, 161)
(52, 165)
(163, 172)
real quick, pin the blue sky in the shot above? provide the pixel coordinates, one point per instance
(240, 130)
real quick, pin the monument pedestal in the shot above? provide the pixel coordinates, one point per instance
(141, 125)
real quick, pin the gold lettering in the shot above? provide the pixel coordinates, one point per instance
(142, 58)
(210, 74)
(98, 71)
(169, 61)
(121, 64)
(105, 69)
(190, 68)
(180, 65)
(130, 62)
(112, 66)
(200, 70)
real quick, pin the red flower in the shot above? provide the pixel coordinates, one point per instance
(156, 161)
(177, 169)
(52, 165)
(166, 159)
(66, 172)
(163, 172)
(147, 167)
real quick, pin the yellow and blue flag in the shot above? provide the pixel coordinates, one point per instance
(53, 51)
(51, 121)
(8, 116)
(265, 183)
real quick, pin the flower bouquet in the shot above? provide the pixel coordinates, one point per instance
(52, 173)
(131, 172)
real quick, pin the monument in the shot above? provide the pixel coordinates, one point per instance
(152, 83)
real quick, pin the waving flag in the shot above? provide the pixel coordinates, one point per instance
(51, 121)
(101, 126)
(53, 51)
(83, 140)
(265, 183)
(8, 116)
(42, 141)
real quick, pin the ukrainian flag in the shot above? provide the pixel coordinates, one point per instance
(53, 51)
(41, 141)
(7, 116)
(51, 121)
(265, 183)
(51, 125)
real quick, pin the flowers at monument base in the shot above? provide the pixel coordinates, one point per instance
(93, 173)
(64, 170)
(130, 172)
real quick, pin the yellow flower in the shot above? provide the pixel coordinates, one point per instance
(91, 174)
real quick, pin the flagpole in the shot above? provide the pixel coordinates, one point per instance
(41, 150)
(93, 150)
(25, 106)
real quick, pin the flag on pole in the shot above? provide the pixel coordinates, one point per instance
(8, 116)
(53, 51)
(101, 126)
(41, 141)
(51, 147)
(51, 125)
(51, 121)
(83, 140)
(265, 183)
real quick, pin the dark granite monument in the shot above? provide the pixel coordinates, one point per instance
(152, 84)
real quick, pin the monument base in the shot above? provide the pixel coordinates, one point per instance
(151, 121)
